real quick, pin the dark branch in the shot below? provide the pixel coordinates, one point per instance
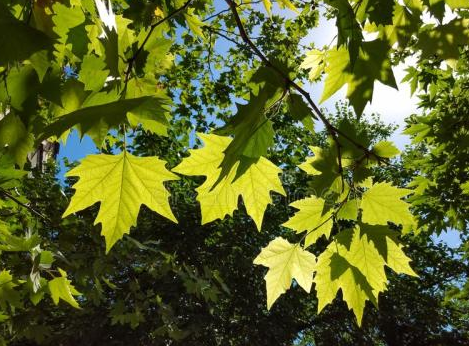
(131, 61)
(31, 209)
(334, 132)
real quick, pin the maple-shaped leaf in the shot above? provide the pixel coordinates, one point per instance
(93, 73)
(312, 217)
(102, 111)
(385, 149)
(285, 261)
(365, 256)
(220, 199)
(335, 271)
(444, 40)
(355, 264)
(8, 292)
(389, 247)
(19, 40)
(121, 183)
(325, 167)
(315, 62)
(373, 64)
(61, 288)
(382, 204)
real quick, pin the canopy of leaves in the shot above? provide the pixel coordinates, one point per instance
(110, 70)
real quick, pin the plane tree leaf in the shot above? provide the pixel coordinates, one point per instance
(218, 200)
(15, 139)
(444, 40)
(382, 204)
(286, 262)
(121, 183)
(313, 217)
(61, 288)
(93, 73)
(103, 111)
(19, 40)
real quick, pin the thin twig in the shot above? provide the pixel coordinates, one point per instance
(31, 209)
(289, 82)
(132, 59)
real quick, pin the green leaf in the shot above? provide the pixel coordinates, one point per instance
(10, 242)
(349, 211)
(325, 168)
(61, 288)
(18, 40)
(46, 258)
(285, 261)
(385, 149)
(219, 200)
(313, 216)
(389, 247)
(98, 116)
(444, 40)
(8, 293)
(315, 62)
(253, 132)
(456, 4)
(337, 67)
(93, 73)
(334, 272)
(403, 26)
(300, 111)
(194, 22)
(15, 140)
(382, 204)
(152, 114)
(41, 62)
(349, 30)
(372, 65)
(354, 263)
(377, 11)
(121, 183)
(20, 87)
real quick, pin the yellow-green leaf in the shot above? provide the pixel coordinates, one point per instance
(285, 261)
(389, 248)
(121, 183)
(312, 217)
(314, 62)
(254, 185)
(61, 288)
(334, 272)
(386, 149)
(382, 203)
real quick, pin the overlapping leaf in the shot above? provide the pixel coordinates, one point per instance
(354, 263)
(61, 288)
(219, 200)
(313, 217)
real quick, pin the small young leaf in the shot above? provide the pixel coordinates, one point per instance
(285, 261)
(312, 217)
(61, 288)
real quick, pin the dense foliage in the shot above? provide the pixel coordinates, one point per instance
(199, 113)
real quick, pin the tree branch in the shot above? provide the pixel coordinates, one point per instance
(31, 209)
(333, 131)
(132, 59)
